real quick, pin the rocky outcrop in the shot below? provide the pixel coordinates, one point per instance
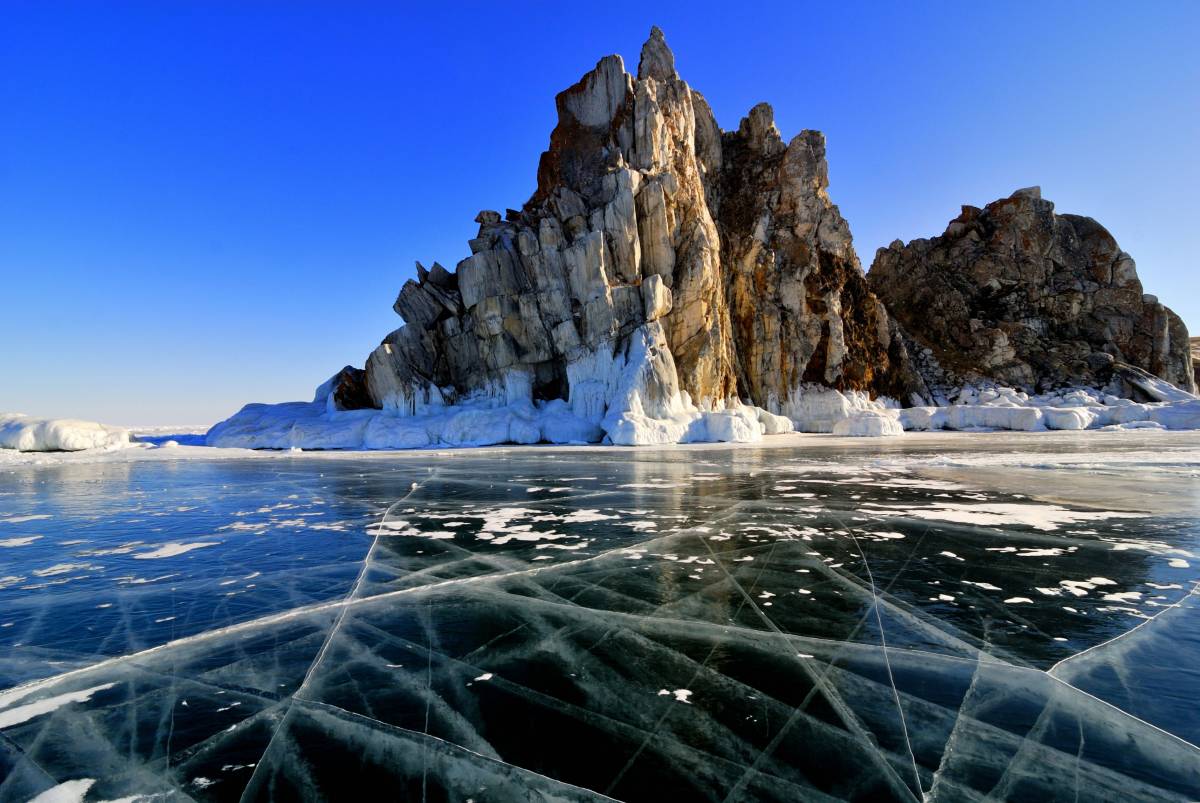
(1195, 342)
(722, 251)
(349, 389)
(1032, 299)
(801, 310)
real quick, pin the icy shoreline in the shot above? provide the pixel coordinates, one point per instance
(1107, 447)
(487, 422)
(490, 422)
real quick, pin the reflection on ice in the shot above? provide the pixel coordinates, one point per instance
(771, 624)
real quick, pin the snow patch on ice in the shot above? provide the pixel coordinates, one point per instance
(15, 542)
(24, 713)
(172, 549)
(1040, 517)
(66, 792)
(681, 695)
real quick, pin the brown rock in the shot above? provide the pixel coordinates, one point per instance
(350, 389)
(1016, 293)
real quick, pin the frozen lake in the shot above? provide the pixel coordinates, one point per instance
(941, 616)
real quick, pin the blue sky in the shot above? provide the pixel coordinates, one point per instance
(204, 204)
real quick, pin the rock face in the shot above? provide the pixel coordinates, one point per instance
(721, 252)
(1020, 295)
(1195, 341)
(801, 310)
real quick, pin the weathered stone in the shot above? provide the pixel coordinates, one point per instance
(416, 306)
(1016, 293)
(799, 303)
(657, 60)
(656, 297)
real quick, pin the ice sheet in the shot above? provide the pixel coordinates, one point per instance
(806, 621)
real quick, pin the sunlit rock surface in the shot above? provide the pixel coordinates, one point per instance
(943, 617)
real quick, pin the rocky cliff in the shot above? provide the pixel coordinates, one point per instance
(671, 282)
(1018, 294)
(720, 251)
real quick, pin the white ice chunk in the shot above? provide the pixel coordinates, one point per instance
(58, 434)
(1068, 417)
(868, 424)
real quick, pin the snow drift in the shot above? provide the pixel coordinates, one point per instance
(57, 435)
(628, 403)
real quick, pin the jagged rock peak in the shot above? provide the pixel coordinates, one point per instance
(1017, 293)
(716, 258)
(657, 61)
(759, 132)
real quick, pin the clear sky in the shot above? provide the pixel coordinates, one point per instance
(204, 204)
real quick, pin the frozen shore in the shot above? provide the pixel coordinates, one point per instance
(319, 426)
(492, 421)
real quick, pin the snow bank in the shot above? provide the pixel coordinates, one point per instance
(309, 425)
(630, 396)
(479, 422)
(58, 434)
(815, 408)
(853, 414)
(1073, 409)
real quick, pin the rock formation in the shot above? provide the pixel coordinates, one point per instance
(722, 250)
(801, 309)
(1018, 294)
(670, 282)
(1195, 341)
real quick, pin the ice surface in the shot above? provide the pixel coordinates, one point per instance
(826, 619)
